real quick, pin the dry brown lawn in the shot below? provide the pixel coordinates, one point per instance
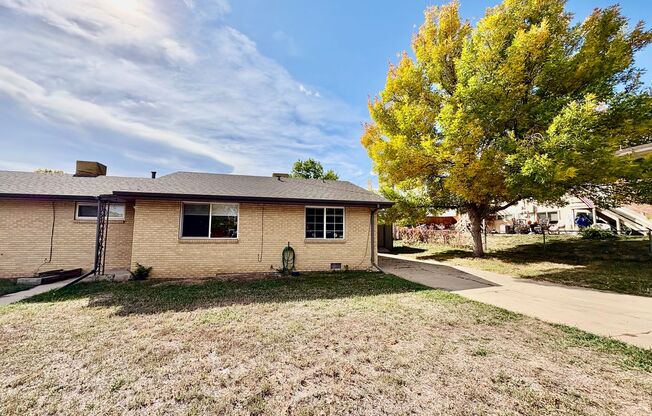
(346, 343)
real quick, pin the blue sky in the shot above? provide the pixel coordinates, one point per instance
(244, 86)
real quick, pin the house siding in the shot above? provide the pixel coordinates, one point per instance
(25, 229)
(156, 242)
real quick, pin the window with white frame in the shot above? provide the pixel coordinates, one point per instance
(200, 220)
(88, 211)
(552, 216)
(324, 222)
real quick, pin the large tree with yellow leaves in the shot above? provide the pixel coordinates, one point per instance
(526, 104)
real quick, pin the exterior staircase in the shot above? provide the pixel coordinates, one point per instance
(628, 217)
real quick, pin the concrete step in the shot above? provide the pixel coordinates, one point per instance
(113, 275)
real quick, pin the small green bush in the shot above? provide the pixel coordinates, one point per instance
(141, 272)
(591, 233)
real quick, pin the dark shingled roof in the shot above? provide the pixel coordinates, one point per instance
(187, 185)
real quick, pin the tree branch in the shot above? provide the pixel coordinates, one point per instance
(502, 207)
(439, 206)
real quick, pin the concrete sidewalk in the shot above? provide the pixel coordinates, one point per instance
(24, 294)
(624, 317)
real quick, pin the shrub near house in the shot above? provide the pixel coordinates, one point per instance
(412, 235)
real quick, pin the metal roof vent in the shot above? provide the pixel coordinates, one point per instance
(280, 175)
(90, 169)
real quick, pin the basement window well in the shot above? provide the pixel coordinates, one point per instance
(88, 211)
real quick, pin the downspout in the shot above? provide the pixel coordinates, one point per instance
(96, 262)
(49, 259)
(373, 237)
(97, 242)
(78, 279)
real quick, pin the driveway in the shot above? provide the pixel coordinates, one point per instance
(624, 317)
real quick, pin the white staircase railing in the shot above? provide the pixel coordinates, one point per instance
(628, 217)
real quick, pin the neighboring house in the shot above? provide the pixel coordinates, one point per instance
(636, 218)
(183, 224)
(629, 218)
(445, 220)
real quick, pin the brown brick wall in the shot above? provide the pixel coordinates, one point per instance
(25, 228)
(156, 242)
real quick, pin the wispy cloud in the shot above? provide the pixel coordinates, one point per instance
(174, 76)
(287, 42)
(13, 165)
(308, 92)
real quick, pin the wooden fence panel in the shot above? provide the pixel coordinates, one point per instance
(385, 237)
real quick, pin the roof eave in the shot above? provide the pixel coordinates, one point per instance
(262, 200)
(48, 197)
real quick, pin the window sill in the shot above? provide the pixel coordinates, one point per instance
(324, 240)
(190, 240)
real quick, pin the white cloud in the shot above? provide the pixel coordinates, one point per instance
(308, 92)
(19, 166)
(108, 23)
(62, 106)
(160, 75)
(208, 9)
(171, 162)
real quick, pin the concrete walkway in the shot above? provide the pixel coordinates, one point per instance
(624, 317)
(24, 294)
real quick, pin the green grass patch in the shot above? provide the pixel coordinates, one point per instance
(181, 295)
(623, 265)
(8, 286)
(632, 357)
(480, 352)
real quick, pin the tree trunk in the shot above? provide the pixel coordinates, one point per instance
(476, 215)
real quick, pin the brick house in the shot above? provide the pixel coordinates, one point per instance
(182, 224)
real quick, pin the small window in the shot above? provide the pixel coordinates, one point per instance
(88, 211)
(324, 223)
(209, 221)
(553, 217)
